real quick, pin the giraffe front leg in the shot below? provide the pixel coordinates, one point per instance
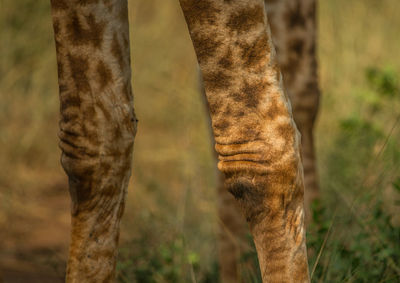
(256, 138)
(97, 128)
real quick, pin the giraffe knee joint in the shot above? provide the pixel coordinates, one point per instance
(249, 195)
(240, 189)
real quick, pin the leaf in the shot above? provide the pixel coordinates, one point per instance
(193, 258)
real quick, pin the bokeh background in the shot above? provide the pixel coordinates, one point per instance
(170, 226)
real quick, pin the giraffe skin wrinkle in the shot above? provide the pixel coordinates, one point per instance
(293, 27)
(256, 137)
(97, 128)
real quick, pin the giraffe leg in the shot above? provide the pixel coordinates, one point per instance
(97, 128)
(256, 138)
(232, 229)
(293, 27)
(231, 236)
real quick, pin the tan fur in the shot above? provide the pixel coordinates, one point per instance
(255, 135)
(232, 226)
(293, 28)
(97, 128)
(256, 138)
(293, 25)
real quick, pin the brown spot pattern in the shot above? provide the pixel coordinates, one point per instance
(215, 106)
(251, 131)
(276, 109)
(222, 125)
(294, 17)
(69, 101)
(90, 132)
(58, 5)
(105, 74)
(291, 66)
(79, 35)
(90, 114)
(219, 83)
(215, 81)
(297, 46)
(206, 46)
(312, 11)
(60, 69)
(250, 197)
(62, 88)
(253, 92)
(78, 67)
(89, 127)
(249, 94)
(239, 113)
(199, 12)
(226, 61)
(244, 19)
(255, 52)
(117, 133)
(285, 131)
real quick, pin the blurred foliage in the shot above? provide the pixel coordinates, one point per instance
(384, 82)
(250, 271)
(171, 261)
(354, 236)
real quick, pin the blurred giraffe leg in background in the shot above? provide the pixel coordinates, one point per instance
(293, 26)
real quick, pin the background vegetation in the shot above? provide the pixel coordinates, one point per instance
(170, 224)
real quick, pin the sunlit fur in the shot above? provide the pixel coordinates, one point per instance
(256, 137)
(293, 29)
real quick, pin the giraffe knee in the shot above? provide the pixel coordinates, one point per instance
(249, 195)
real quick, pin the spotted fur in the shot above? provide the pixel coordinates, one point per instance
(259, 150)
(97, 129)
(293, 25)
(256, 137)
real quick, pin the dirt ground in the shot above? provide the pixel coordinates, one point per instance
(34, 243)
